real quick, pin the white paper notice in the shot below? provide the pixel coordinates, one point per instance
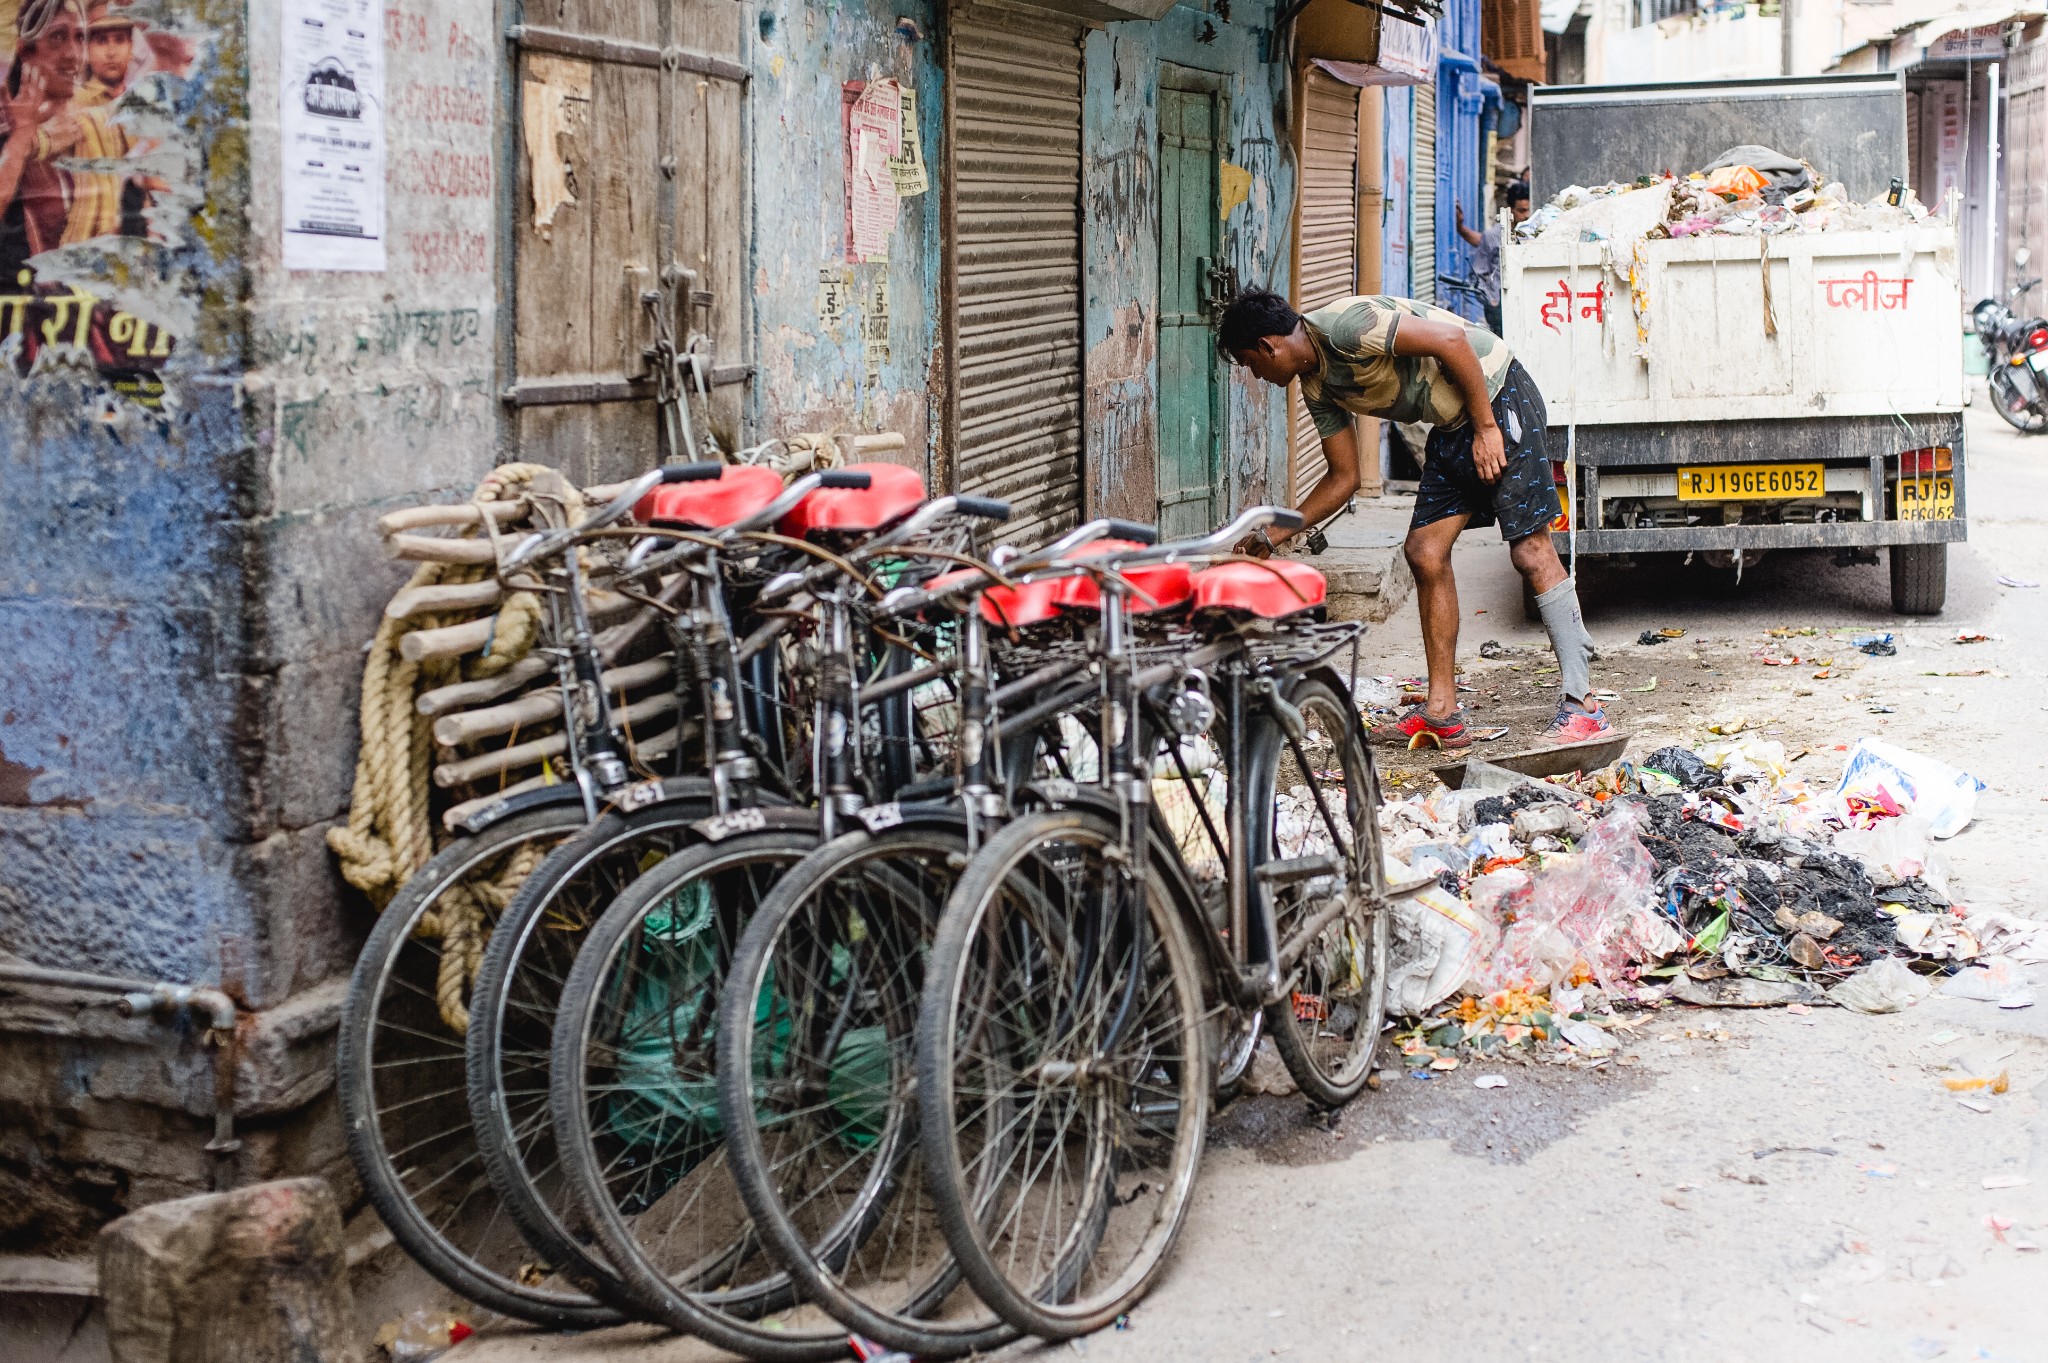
(332, 119)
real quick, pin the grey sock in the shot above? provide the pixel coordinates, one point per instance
(1568, 638)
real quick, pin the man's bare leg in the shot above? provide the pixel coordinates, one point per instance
(1428, 550)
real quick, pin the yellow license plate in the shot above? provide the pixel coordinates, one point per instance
(1927, 499)
(1749, 482)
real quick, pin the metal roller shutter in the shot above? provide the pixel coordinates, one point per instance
(1422, 198)
(1327, 267)
(1016, 238)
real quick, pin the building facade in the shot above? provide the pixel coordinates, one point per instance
(1001, 230)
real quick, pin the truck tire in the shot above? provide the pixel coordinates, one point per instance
(1919, 578)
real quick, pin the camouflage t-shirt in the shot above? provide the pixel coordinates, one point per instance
(1360, 373)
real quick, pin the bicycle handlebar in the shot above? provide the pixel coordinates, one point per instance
(913, 525)
(1250, 519)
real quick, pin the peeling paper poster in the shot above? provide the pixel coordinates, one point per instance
(907, 169)
(102, 182)
(331, 114)
(874, 138)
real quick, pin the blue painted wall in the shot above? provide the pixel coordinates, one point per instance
(1120, 200)
(1398, 150)
(1464, 97)
(122, 620)
(813, 373)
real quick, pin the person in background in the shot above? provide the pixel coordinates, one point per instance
(1485, 245)
(109, 55)
(1487, 461)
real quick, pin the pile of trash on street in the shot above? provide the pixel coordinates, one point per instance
(1711, 877)
(1747, 191)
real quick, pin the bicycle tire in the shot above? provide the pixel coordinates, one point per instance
(1094, 947)
(1326, 1032)
(654, 1130)
(489, 1268)
(513, 1013)
(858, 902)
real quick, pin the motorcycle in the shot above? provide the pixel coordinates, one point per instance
(2015, 357)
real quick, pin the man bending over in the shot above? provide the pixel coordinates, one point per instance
(1486, 462)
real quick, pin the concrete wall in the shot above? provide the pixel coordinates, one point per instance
(813, 366)
(367, 391)
(1120, 200)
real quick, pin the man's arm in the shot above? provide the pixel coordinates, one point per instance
(1446, 344)
(1329, 494)
(1471, 237)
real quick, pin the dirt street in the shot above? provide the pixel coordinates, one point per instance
(1737, 1185)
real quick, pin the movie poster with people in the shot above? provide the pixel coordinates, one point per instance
(94, 176)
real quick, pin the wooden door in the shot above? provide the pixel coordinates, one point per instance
(1190, 237)
(628, 201)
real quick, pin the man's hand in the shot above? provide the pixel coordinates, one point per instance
(1255, 546)
(1489, 452)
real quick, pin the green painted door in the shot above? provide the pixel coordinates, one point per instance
(1190, 372)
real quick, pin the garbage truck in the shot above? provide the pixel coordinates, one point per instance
(1734, 371)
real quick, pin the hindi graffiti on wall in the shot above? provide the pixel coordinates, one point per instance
(90, 165)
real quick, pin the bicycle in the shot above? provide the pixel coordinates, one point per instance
(1064, 1075)
(400, 1051)
(631, 1091)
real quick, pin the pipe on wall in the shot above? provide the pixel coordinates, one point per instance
(154, 998)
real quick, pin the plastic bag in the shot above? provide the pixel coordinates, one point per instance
(1438, 941)
(1685, 767)
(1884, 986)
(1595, 909)
(421, 1335)
(1993, 979)
(1881, 773)
(1894, 851)
(1737, 182)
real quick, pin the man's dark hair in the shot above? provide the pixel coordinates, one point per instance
(1253, 316)
(1518, 192)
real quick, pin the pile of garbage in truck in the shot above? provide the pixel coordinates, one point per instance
(1747, 191)
(1711, 877)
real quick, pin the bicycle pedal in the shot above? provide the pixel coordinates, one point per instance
(1294, 870)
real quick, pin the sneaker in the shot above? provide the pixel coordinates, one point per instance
(1417, 728)
(1574, 723)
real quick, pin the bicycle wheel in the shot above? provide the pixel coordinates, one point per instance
(1063, 1075)
(1323, 797)
(634, 1101)
(518, 987)
(400, 1072)
(816, 1049)
(1190, 804)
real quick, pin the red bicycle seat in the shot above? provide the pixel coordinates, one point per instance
(1168, 584)
(1009, 607)
(707, 504)
(1278, 587)
(892, 491)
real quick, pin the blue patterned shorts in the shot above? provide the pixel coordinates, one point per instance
(1524, 501)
